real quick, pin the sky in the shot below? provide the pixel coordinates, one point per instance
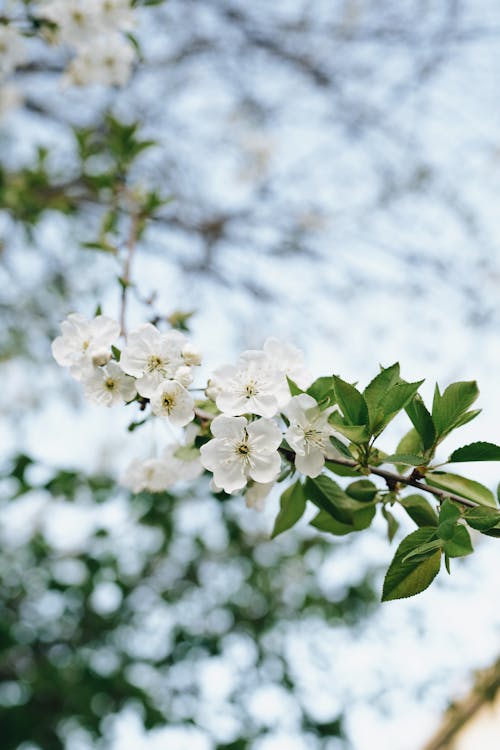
(410, 275)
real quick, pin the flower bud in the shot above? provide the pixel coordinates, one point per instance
(191, 355)
(101, 357)
(212, 390)
(183, 376)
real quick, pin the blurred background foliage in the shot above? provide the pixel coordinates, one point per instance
(316, 170)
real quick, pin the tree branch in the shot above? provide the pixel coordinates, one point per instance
(392, 478)
(127, 268)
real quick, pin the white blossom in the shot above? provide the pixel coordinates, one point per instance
(152, 357)
(240, 450)
(151, 475)
(77, 20)
(212, 390)
(290, 362)
(309, 434)
(257, 493)
(81, 340)
(172, 400)
(183, 462)
(106, 60)
(109, 385)
(251, 386)
(12, 49)
(116, 14)
(183, 376)
(191, 355)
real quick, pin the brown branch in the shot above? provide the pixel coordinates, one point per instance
(393, 479)
(127, 269)
(485, 690)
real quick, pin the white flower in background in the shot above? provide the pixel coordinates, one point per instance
(183, 376)
(81, 340)
(109, 386)
(240, 450)
(191, 355)
(183, 463)
(152, 357)
(116, 14)
(105, 60)
(12, 49)
(257, 493)
(77, 20)
(249, 387)
(309, 434)
(151, 475)
(10, 98)
(173, 401)
(212, 390)
(290, 362)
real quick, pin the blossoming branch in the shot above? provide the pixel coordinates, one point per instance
(264, 420)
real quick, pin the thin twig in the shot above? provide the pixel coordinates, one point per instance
(393, 478)
(127, 269)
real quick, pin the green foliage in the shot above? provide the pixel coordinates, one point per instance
(462, 486)
(292, 507)
(344, 508)
(351, 402)
(362, 418)
(323, 391)
(449, 410)
(420, 510)
(407, 577)
(482, 519)
(480, 451)
(422, 422)
(83, 663)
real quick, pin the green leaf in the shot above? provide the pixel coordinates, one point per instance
(294, 388)
(361, 519)
(292, 507)
(449, 511)
(462, 486)
(420, 510)
(355, 433)
(423, 551)
(392, 523)
(323, 521)
(362, 490)
(342, 471)
(409, 445)
(422, 421)
(480, 451)
(116, 352)
(404, 459)
(394, 400)
(482, 519)
(467, 417)
(378, 387)
(460, 543)
(322, 389)
(449, 408)
(449, 514)
(341, 447)
(351, 402)
(328, 496)
(410, 578)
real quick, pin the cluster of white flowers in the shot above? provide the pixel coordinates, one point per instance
(249, 417)
(12, 54)
(96, 31)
